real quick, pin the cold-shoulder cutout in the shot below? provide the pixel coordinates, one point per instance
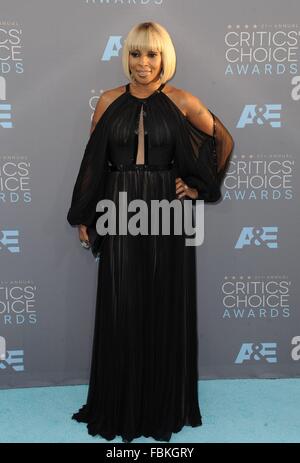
(105, 100)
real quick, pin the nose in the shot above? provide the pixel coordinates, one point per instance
(143, 59)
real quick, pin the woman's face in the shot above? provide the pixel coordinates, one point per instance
(145, 66)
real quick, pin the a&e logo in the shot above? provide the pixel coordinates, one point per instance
(257, 351)
(112, 48)
(5, 108)
(10, 240)
(255, 114)
(11, 358)
(258, 236)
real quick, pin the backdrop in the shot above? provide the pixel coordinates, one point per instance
(242, 60)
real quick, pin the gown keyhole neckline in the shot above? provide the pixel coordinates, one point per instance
(158, 90)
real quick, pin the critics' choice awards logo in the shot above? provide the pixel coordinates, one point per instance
(15, 179)
(260, 115)
(256, 297)
(257, 352)
(259, 177)
(261, 50)
(11, 48)
(10, 359)
(265, 237)
(18, 303)
(5, 107)
(9, 241)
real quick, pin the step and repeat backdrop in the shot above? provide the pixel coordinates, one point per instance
(241, 59)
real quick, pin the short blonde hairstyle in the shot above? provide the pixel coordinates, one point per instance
(150, 36)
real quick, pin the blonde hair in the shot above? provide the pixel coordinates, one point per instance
(150, 36)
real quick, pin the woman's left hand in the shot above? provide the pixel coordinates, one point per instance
(182, 189)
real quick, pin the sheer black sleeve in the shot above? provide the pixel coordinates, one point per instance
(90, 183)
(205, 163)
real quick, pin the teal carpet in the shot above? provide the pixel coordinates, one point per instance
(237, 411)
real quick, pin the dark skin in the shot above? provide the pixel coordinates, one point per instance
(145, 67)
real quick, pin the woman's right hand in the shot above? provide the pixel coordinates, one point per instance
(83, 234)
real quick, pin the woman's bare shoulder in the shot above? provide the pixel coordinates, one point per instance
(109, 95)
(106, 98)
(185, 99)
(192, 107)
(177, 95)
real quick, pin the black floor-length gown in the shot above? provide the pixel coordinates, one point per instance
(143, 379)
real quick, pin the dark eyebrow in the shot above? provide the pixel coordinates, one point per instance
(140, 51)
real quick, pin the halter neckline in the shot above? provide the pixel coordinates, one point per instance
(147, 97)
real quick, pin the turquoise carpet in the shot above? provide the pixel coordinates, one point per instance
(237, 411)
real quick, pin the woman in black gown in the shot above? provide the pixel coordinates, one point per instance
(154, 142)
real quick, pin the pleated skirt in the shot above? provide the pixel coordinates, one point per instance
(143, 376)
